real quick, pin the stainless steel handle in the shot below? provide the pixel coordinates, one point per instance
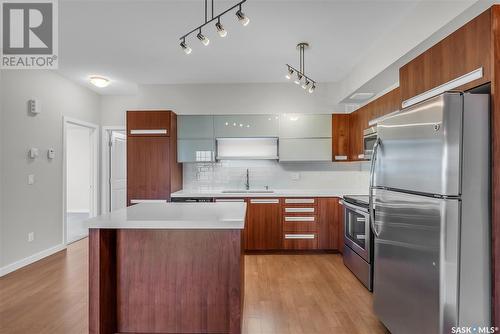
(299, 210)
(352, 207)
(299, 200)
(149, 132)
(370, 190)
(300, 219)
(264, 201)
(299, 236)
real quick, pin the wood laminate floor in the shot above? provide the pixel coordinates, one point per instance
(304, 294)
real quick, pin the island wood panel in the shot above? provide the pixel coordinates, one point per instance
(148, 168)
(495, 159)
(148, 120)
(179, 281)
(263, 226)
(340, 136)
(465, 50)
(102, 282)
(359, 119)
(330, 213)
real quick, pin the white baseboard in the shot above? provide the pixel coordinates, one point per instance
(30, 259)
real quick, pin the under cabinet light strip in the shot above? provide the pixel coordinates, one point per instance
(462, 80)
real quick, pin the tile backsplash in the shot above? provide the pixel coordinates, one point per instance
(231, 174)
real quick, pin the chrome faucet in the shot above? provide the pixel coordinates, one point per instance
(247, 183)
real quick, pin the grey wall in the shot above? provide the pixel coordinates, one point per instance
(222, 99)
(36, 208)
(1, 174)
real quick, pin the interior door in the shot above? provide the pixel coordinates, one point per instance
(118, 170)
(416, 262)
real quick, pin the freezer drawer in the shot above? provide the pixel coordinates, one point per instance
(416, 262)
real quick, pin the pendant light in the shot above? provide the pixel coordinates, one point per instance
(299, 75)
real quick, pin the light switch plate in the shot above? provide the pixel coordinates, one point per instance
(33, 153)
(51, 153)
(31, 179)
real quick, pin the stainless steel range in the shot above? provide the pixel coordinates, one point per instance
(358, 238)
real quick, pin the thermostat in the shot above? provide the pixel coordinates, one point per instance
(35, 107)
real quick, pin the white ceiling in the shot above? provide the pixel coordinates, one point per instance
(137, 42)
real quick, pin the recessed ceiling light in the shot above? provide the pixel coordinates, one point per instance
(361, 96)
(99, 81)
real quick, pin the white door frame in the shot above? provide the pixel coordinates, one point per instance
(94, 152)
(105, 165)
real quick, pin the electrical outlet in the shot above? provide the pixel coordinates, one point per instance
(31, 236)
(31, 179)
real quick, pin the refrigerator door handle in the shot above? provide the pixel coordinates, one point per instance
(370, 193)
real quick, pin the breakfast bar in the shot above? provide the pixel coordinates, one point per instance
(167, 268)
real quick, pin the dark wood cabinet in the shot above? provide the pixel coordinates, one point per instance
(152, 169)
(263, 228)
(331, 224)
(463, 51)
(340, 136)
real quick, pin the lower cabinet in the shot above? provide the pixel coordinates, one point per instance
(293, 224)
(330, 224)
(263, 228)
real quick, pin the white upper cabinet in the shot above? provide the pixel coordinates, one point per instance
(195, 138)
(305, 149)
(245, 126)
(195, 127)
(305, 126)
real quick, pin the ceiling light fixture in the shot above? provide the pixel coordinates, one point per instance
(99, 81)
(301, 78)
(243, 19)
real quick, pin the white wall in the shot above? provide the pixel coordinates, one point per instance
(78, 169)
(36, 208)
(1, 174)
(221, 99)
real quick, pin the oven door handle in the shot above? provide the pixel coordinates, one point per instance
(353, 207)
(371, 209)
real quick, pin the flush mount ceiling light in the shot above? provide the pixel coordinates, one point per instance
(99, 81)
(299, 76)
(242, 18)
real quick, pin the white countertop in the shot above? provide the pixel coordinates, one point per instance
(277, 193)
(200, 216)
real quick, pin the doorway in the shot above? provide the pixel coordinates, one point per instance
(80, 165)
(114, 169)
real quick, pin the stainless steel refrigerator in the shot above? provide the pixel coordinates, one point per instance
(430, 213)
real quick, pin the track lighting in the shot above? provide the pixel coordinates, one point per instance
(203, 38)
(242, 18)
(299, 76)
(185, 47)
(220, 29)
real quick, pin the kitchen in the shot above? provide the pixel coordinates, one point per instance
(259, 205)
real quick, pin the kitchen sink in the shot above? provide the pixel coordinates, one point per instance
(243, 191)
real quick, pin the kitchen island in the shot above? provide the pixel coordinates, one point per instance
(167, 268)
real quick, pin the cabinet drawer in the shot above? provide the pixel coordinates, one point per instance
(300, 241)
(300, 202)
(299, 227)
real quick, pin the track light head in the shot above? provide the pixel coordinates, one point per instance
(204, 39)
(244, 20)
(187, 50)
(289, 74)
(312, 88)
(306, 84)
(298, 78)
(220, 29)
